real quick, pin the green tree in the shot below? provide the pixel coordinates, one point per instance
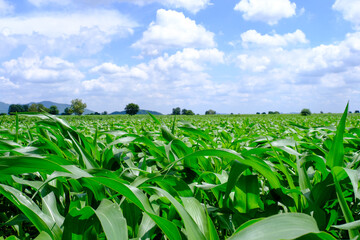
(187, 112)
(305, 112)
(77, 106)
(132, 109)
(210, 112)
(38, 107)
(33, 108)
(14, 108)
(67, 111)
(53, 110)
(176, 111)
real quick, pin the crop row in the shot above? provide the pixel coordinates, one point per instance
(199, 177)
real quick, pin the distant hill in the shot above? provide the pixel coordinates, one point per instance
(4, 107)
(141, 112)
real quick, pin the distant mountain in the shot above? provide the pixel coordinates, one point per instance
(141, 112)
(4, 107)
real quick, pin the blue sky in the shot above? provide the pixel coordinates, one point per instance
(233, 56)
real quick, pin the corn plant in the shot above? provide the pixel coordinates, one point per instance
(190, 177)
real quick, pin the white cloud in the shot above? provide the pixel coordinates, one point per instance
(35, 70)
(41, 3)
(266, 11)
(350, 10)
(5, 7)
(173, 30)
(332, 80)
(328, 66)
(63, 34)
(192, 6)
(276, 40)
(66, 24)
(180, 78)
(252, 63)
(7, 84)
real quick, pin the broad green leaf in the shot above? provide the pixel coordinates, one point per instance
(280, 226)
(198, 214)
(192, 229)
(258, 165)
(49, 207)
(140, 200)
(336, 171)
(247, 195)
(112, 220)
(236, 170)
(14, 165)
(335, 156)
(43, 236)
(41, 221)
(78, 223)
(354, 176)
(317, 236)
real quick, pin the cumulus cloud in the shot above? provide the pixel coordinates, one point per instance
(327, 66)
(266, 11)
(252, 63)
(173, 30)
(35, 70)
(275, 40)
(350, 10)
(190, 5)
(66, 24)
(5, 7)
(167, 79)
(61, 33)
(7, 84)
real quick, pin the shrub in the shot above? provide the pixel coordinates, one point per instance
(305, 112)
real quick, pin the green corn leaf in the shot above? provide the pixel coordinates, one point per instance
(317, 236)
(15, 165)
(354, 176)
(112, 220)
(192, 229)
(43, 236)
(49, 207)
(348, 226)
(213, 235)
(40, 220)
(335, 156)
(336, 172)
(197, 212)
(256, 164)
(247, 195)
(140, 200)
(154, 118)
(146, 227)
(280, 226)
(78, 223)
(236, 170)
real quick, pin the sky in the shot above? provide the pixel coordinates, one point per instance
(232, 56)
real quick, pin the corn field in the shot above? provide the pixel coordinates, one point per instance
(186, 177)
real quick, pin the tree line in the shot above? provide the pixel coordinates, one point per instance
(77, 107)
(179, 111)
